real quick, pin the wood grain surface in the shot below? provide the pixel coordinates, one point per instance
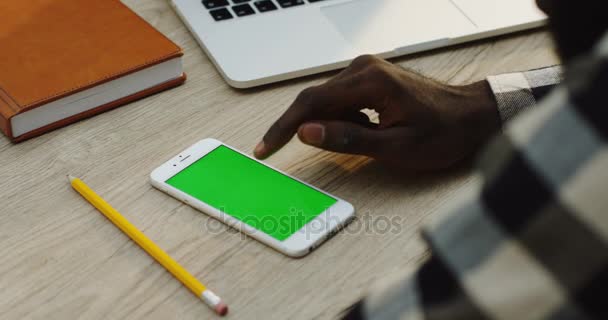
(61, 259)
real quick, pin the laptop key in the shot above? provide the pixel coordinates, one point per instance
(239, 1)
(290, 3)
(265, 5)
(221, 14)
(243, 10)
(212, 4)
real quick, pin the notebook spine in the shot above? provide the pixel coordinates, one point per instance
(8, 108)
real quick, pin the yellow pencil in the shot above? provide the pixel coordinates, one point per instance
(150, 247)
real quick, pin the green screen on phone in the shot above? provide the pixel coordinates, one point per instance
(251, 192)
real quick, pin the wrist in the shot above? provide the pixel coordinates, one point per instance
(481, 117)
(482, 99)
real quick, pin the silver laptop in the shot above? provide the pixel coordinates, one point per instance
(255, 42)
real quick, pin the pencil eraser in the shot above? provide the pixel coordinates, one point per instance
(221, 309)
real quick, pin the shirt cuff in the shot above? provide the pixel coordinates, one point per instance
(516, 92)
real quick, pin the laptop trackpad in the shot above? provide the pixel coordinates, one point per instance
(376, 26)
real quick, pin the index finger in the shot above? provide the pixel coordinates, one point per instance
(325, 102)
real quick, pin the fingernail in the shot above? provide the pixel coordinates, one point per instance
(313, 133)
(259, 149)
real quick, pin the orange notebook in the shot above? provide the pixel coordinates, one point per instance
(65, 60)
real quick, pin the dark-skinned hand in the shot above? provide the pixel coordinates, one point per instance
(423, 124)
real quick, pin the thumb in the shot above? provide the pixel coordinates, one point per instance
(348, 137)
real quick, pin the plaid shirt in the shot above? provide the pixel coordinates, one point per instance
(532, 241)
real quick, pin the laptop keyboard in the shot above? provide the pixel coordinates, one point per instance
(227, 9)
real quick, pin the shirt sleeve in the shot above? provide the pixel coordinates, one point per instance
(519, 91)
(530, 241)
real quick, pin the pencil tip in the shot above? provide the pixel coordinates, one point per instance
(71, 177)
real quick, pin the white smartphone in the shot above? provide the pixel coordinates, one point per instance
(282, 212)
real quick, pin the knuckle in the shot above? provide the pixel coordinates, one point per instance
(378, 71)
(386, 76)
(278, 126)
(354, 81)
(364, 61)
(308, 96)
(273, 132)
(350, 140)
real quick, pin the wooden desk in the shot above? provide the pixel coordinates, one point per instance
(61, 259)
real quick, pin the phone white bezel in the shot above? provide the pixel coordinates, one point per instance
(299, 244)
